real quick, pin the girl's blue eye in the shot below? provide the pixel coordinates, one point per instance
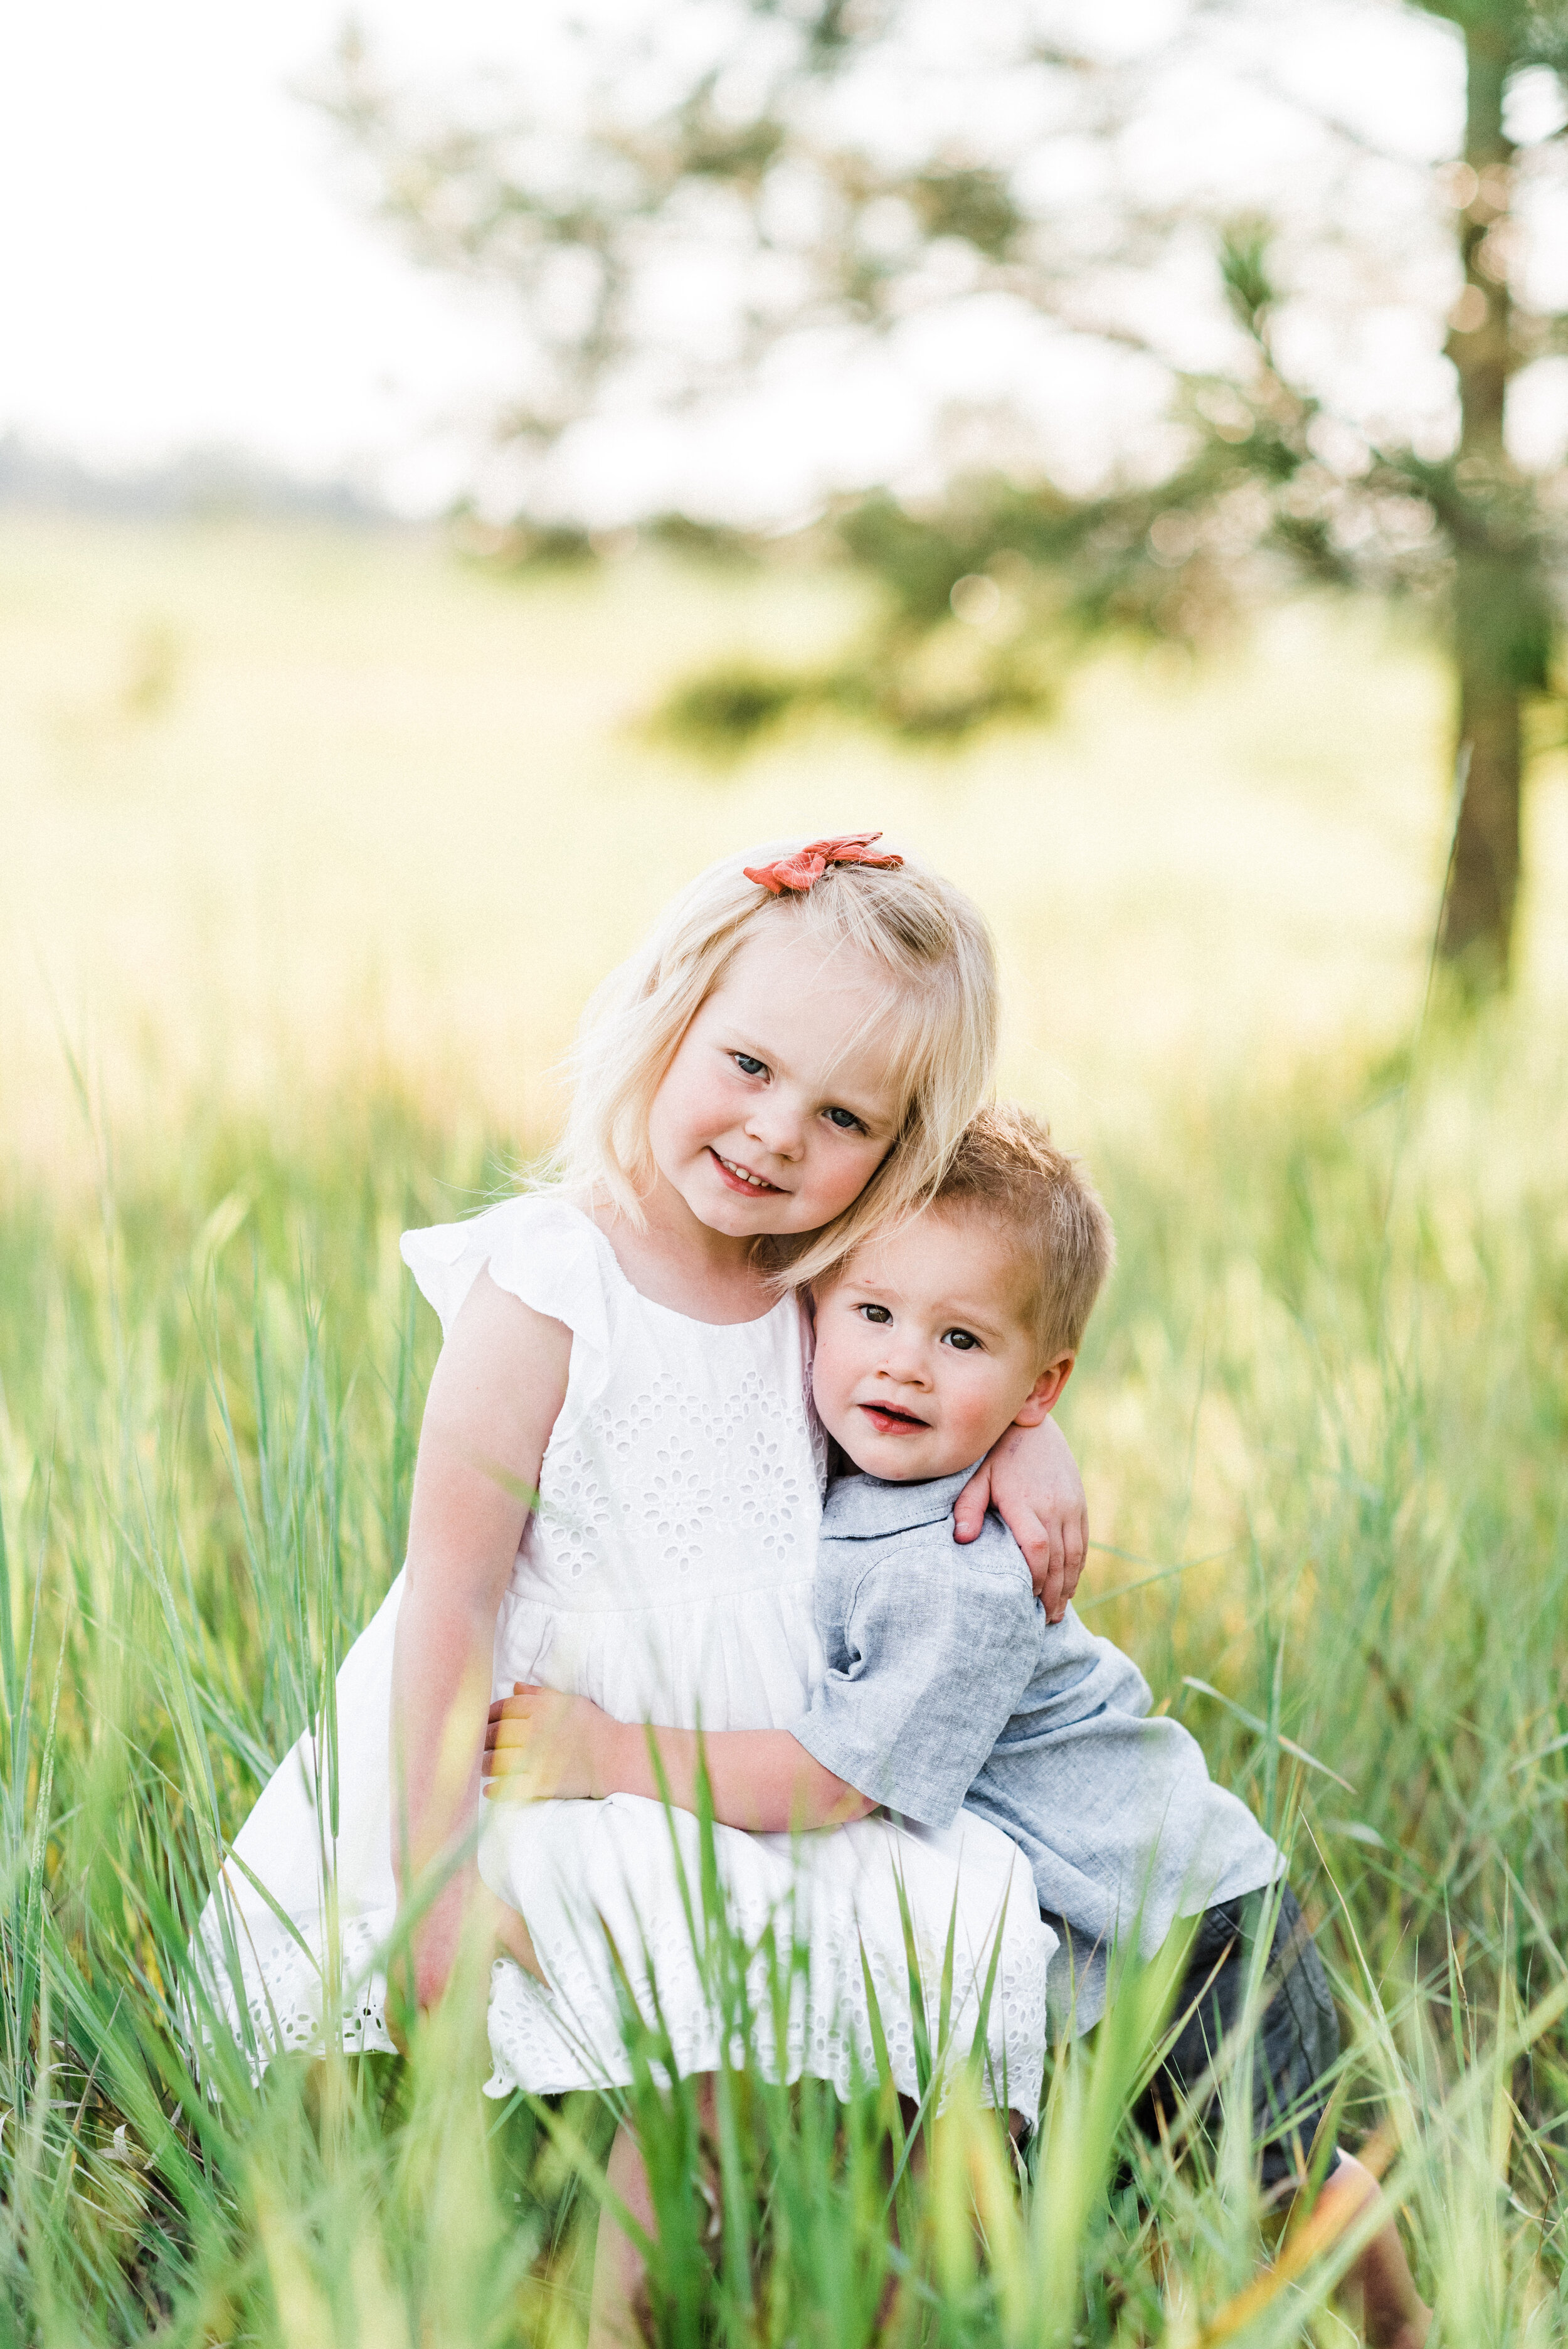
(962, 1342)
(749, 1067)
(846, 1121)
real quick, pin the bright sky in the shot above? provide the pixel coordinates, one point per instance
(183, 262)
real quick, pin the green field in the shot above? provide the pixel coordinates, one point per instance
(312, 845)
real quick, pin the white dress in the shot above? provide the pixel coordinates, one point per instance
(667, 1573)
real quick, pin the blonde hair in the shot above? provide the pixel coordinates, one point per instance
(940, 972)
(1042, 1197)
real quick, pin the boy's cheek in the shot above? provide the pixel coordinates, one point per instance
(831, 1383)
(827, 1395)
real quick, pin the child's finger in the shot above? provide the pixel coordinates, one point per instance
(1074, 1550)
(505, 1747)
(508, 1737)
(1035, 1542)
(517, 1716)
(1056, 1555)
(502, 1708)
(1054, 1595)
(969, 1509)
(507, 1790)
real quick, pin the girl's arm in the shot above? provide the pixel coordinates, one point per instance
(495, 1395)
(540, 1743)
(1031, 1480)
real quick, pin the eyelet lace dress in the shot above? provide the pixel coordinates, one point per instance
(667, 1573)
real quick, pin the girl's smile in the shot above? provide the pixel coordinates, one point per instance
(777, 1107)
(742, 1180)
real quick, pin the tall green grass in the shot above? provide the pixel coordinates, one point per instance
(1322, 1420)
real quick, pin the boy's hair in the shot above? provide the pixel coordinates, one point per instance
(1043, 1198)
(940, 1024)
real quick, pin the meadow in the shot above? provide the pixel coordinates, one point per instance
(312, 845)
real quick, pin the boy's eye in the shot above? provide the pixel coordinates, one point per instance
(878, 1313)
(748, 1066)
(963, 1341)
(846, 1121)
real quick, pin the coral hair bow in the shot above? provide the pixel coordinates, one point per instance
(805, 867)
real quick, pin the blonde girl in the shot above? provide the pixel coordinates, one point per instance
(783, 1071)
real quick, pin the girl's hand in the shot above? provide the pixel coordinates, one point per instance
(1031, 1480)
(541, 1744)
(426, 1968)
(420, 1975)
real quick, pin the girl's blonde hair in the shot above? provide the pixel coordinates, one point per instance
(940, 1012)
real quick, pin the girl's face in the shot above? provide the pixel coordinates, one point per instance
(777, 1111)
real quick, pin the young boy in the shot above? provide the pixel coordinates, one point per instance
(945, 1684)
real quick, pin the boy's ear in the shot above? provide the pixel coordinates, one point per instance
(1043, 1396)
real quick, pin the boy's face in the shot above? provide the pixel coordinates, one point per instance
(922, 1358)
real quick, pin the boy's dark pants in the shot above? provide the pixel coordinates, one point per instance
(1295, 2046)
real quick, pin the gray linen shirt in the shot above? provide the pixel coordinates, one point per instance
(946, 1685)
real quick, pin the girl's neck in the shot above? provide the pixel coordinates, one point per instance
(678, 1261)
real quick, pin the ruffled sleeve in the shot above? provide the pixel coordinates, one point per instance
(539, 1249)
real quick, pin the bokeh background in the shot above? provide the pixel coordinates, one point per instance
(298, 776)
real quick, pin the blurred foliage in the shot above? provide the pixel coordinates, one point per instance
(524, 546)
(743, 134)
(1251, 508)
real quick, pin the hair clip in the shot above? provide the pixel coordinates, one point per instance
(805, 867)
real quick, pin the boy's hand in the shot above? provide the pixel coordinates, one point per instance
(540, 1743)
(1031, 1480)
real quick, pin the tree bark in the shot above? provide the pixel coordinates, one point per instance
(1494, 589)
(1477, 919)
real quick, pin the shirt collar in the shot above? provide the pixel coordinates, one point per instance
(862, 1508)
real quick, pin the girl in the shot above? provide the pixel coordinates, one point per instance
(781, 1072)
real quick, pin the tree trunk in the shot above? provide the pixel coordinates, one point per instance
(1477, 919)
(1494, 589)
